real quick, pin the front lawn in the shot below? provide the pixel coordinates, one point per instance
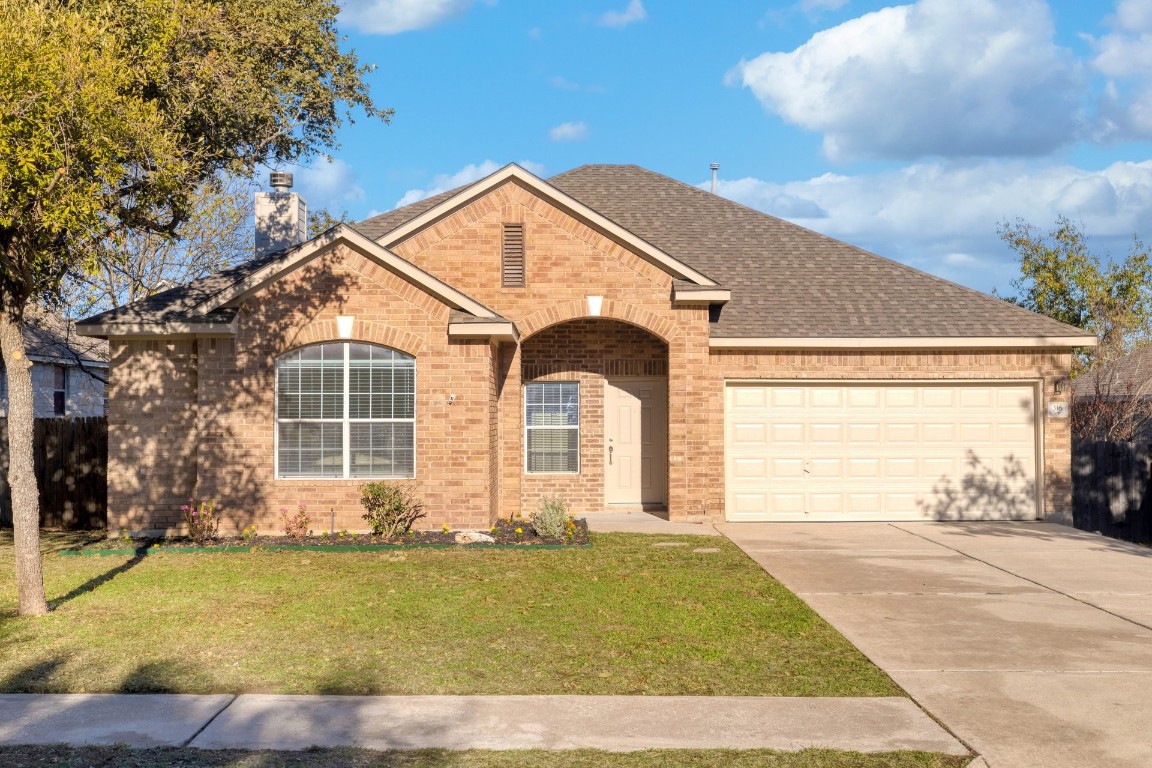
(122, 757)
(621, 617)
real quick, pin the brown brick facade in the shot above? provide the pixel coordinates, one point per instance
(196, 415)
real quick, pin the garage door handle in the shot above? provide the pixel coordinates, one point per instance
(609, 455)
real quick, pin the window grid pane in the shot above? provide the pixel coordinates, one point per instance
(380, 393)
(552, 425)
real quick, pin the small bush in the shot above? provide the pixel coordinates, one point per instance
(391, 509)
(551, 519)
(203, 526)
(296, 526)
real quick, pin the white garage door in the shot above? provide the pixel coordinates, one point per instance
(880, 451)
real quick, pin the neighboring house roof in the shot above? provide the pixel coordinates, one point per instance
(49, 338)
(1127, 376)
(789, 285)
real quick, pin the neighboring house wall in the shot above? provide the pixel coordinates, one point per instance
(84, 394)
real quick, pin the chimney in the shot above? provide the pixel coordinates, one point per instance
(715, 167)
(281, 216)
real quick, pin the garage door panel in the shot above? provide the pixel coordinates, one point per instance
(881, 451)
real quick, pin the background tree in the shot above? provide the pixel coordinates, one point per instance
(217, 234)
(112, 114)
(1063, 279)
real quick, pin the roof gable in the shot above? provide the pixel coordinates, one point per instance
(208, 305)
(447, 203)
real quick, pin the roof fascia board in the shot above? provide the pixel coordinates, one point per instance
(710, 296)
(157, 330)
(600, 222)
(500, 331)
(909, 342)
(364, 245)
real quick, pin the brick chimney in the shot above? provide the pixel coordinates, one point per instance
(281, 216)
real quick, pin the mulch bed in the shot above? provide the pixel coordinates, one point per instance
(505, 534)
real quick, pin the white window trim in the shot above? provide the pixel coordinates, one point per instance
(576, 427)
(346, 421)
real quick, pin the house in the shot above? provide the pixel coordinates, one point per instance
(68, 371)
(1114, 401)
(610, 336)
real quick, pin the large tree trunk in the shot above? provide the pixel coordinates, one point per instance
(22, 470)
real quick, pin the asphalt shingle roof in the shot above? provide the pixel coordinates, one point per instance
(786, 281)
(1129, 376)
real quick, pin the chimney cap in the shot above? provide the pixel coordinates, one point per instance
(715, 166)
(280, 180)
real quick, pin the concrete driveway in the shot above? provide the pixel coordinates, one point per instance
(1032, 642)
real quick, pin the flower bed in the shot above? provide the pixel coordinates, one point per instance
(503, 534)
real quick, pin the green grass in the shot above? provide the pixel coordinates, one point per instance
(122, 757)
(620, 617)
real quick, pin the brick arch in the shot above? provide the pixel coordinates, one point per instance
(661, 327)
(323, 331)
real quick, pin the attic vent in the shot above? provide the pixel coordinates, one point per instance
(512, 256)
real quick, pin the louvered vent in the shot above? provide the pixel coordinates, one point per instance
(513, 256)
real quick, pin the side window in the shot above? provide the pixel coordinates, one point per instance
(345, 410)
(552, 427)
(59, 390)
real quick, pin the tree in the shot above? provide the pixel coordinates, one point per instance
(112, 114)
(1063, 279)
(217, 234)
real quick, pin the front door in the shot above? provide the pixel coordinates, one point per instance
(635, 440)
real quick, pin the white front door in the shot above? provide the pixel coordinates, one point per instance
(635, 440)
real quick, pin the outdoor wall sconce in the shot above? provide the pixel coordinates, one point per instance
(1061, 386)
(595, 304)
(344, 325)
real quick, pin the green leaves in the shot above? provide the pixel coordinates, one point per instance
(1063, 279)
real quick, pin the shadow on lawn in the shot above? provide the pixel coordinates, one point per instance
(97, 581)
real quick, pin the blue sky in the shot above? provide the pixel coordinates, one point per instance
(911, 130)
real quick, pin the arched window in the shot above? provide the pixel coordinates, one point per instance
(345, 410)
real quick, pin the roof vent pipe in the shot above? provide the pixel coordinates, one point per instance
(715, 167)
(281, 181)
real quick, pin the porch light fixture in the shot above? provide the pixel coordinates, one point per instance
(1061, 386)
(344, 325)
(595, 303)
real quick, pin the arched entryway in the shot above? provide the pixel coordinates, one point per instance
(595, 415)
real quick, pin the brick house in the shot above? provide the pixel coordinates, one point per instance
(610, 336)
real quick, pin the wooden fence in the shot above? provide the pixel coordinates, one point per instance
(71, 471)
(1111, 492)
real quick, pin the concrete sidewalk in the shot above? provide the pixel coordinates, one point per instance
(615, 723)
(1032, 642)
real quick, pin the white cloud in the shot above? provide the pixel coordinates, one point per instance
(569, 132)
(1124, 55)
(391, 17)
(942, 217)
(328, 185)
(630, 15)
(938, 77)
(466, 175)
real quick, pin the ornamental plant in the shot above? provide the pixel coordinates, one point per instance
(248, 535)
(203, 526)
(551, 519)
(296, 526)
(391, 510)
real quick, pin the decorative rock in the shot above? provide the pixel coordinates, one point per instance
(706, 550)
(473, 537)
(670, 544)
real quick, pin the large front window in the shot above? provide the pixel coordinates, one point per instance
(552, 426)
(345, 410)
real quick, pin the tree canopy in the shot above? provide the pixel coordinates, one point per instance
(1063, 279)
(113, 115)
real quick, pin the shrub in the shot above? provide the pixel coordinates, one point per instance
(391, 509)
(551, 519)
(296, 526)
(201, 520)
